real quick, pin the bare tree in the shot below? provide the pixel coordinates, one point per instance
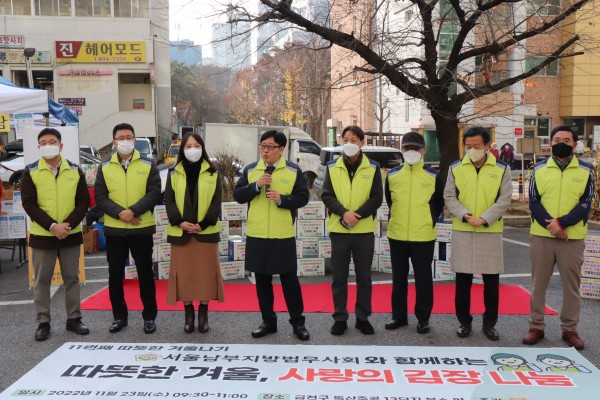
(409, 55)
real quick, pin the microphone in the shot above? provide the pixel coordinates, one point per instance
(269, 170)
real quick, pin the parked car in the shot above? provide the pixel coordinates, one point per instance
(12, 169)
(144, 146)
(87, 148)
(387, 157)
(173, 152)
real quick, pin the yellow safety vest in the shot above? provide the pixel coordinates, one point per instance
(411, 189)
(207, 185)
(127, 188)
(265, 219)
(353, 194)
(560, 191)
(55, 195)
(478, 191)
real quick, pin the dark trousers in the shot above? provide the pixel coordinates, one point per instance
(421, 255)
(291, 292)
(360, 247)
(491, 296)
(117, 251)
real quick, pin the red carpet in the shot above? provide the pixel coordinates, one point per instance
(317, 298)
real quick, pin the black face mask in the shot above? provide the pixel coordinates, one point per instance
(562, 150)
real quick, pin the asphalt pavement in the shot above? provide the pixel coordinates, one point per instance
(19, 352)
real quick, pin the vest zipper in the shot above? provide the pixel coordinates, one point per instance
(476, 194)
(562, 175)
(126, 190)
(409, 202)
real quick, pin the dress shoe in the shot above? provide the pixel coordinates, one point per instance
(301, 332)
(149, 326)
(75, 325)
(339, 327)
(533, 336)
(423, 327)
(573, 339)
(395, 324)
(203, 318)
(490, 333)
(117, 325)
(364, 327)
(264, 330)
(188, 326)
(42, 332)
(464, 330)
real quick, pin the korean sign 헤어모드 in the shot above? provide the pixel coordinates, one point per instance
(100, 52)
(288, 372)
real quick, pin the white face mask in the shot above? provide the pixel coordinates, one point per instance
(49, 152)
(125, 146)
(411, 157)
(193, 154)
(475, 155)
(350, 149)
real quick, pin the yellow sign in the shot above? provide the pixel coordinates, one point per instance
(72, 51)
(56, 276)
(4, 123)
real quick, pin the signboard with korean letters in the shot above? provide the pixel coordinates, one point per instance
(310, 227)
(590, 272)
(233, 211)
(291, 372)
(313, 210)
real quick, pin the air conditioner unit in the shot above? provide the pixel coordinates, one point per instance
(544, 141)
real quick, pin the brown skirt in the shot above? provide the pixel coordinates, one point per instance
(195, 273)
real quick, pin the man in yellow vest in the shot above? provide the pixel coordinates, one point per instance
(352, 192)
(274, 189)
(560, 198)
(478, 192)
(415, 197)
(127, 189)
(55, 196)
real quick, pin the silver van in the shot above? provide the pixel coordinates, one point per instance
(144, 146)
(387, 157)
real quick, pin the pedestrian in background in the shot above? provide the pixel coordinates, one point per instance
(414, 195)
(274, 189)
(478, 192)
(55, 196)
(560, 199)
(127, 189)
(193, 202)
(494, 150)
(352, 192)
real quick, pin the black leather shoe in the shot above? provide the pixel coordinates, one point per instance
(264, 330)
(464, 330)
(395, 324)
(117, 325)
(339, 327)
(75, 325)
(490, 333)
(423, 327)
(364, 327)
(42, 332)
(301, 332)
(149, 326)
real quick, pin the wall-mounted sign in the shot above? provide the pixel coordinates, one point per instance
(518, 131)
(4, 123)
(100, 52)
(17, 57)
(12, 41)
(84, 72)
(139, 104)
(77, 109)
(72, 101)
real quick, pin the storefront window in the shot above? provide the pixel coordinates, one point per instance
(53, 8)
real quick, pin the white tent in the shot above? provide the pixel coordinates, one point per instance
(17, 100)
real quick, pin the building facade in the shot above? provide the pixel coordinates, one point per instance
(109, 60)
(186, 52)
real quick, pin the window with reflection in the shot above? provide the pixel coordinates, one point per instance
(132, 8)
(53, 8)
(15, 7)
(92, 8)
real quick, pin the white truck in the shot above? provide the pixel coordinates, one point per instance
(243, 141)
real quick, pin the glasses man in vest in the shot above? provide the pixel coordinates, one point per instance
(352, 192)
(478, 192)
(55, 196)
(274, 189)
(415, 197)
(560, 198)
(127, 189)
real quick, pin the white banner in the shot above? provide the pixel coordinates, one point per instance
(263, 372)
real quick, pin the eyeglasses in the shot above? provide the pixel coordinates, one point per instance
(269, 147)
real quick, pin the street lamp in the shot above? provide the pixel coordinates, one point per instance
(29, 52)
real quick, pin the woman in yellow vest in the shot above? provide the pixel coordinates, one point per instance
(352, 192)
(193, 202)
(477, 193)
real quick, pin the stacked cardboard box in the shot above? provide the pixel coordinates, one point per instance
(590, 272)
(232, 248)
(312, 244)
